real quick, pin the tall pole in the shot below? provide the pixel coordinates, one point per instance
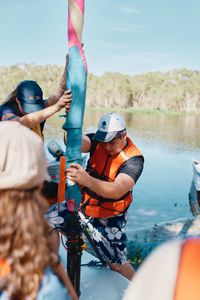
(76, 82)
(76, 79)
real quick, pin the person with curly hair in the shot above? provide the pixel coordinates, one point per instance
(29, 269)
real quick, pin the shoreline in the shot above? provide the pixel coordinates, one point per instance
(142, 111)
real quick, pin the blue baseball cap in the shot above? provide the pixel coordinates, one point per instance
(30, 95)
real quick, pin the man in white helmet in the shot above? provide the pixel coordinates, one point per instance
(114, 166)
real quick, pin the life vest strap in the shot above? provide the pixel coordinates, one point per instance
(102, 199)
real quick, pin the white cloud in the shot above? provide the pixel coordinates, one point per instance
(126, 28)
(129, 10)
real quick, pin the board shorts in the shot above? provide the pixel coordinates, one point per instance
(108, 234)
(109, 237)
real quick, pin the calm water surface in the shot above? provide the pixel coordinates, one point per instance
(168, 144)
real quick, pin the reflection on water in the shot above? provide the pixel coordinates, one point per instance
(178, 129)
(168, 144)
(169, 128)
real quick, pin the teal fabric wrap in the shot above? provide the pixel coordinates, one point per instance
(76, 82)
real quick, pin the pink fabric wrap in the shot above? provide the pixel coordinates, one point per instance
(72, 35)
(80, 3)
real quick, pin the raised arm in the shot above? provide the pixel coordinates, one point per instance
(61, 88)
(33, 119)
(86, 144)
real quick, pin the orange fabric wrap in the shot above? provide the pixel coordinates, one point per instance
(188, 278)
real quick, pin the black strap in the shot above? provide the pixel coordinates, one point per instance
(102, 199)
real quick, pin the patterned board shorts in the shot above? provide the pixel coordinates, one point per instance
(109, 237)
(108, 234)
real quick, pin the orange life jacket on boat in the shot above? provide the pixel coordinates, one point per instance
(105, 167)
(188, 274)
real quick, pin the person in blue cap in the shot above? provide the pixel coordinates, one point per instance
(26, 104)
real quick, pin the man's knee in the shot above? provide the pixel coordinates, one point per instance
(115, 267)
(124, 269)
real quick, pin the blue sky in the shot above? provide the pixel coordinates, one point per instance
(127, 36)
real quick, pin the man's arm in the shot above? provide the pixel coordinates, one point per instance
(114, 190)
(128, 175)
(86, 144)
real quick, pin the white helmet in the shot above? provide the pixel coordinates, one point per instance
(109, 125)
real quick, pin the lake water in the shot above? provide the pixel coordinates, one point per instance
(168, 143)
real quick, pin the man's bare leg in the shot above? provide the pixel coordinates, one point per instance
(125, 269)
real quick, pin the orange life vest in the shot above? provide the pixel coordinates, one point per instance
(106, 168)
(187, 281)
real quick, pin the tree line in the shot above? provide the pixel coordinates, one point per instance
(176, 90)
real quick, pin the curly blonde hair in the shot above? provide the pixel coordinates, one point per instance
(24, 241)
